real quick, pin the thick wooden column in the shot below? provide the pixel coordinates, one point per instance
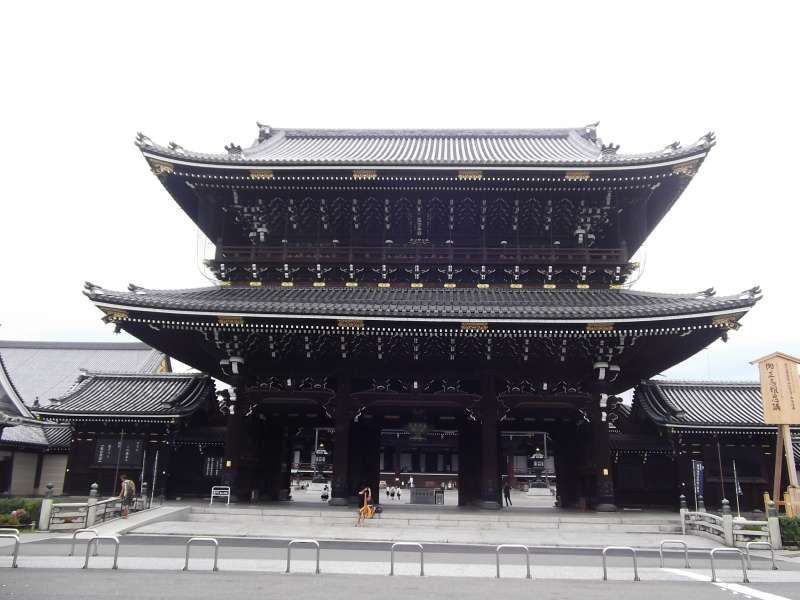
(364, 467)
(277, 477)
(469, 463)
(341, 445)
(683, 472)
(234, 433)
(490, 441)
(603, 499)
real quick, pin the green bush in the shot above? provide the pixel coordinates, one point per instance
(31, 505)
(790, 530)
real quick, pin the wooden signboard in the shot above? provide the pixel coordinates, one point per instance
(780, 388)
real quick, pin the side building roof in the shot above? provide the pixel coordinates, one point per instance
(131, 396)
(45, 370)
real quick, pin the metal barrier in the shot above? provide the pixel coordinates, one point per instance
(75, 537)
(96, 541)
(11, 536)
(519, 547)
(314, 543)
(627, 548)
(194, 540)
(411, 545)
(11, 530)
(741, 556)
(220, 491)
(749, 545)
(680, 542)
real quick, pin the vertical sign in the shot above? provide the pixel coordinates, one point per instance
(780, 389)
(699, 478)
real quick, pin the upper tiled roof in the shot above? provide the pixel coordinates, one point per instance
(702, 403)
(132, 395)
(427, 147)
(427, 304)
(47, 370)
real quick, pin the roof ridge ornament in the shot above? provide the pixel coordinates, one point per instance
(234, 149)
(707, 293)
(609, 149)
(673, 147)
(708, 139)
(177, 148)
(264, 131)
(753, 292)
(143, 141)
(591, 130)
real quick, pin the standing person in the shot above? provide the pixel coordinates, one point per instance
(365, 512)
(393, 491)
(398, 493)
(127, 493)
(387, 491)
(507, 492)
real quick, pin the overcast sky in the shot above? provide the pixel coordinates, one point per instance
(80, 79)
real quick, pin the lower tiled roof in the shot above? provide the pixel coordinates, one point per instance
(37, 435)
(427, 304)
(701, 403)
(132, 395)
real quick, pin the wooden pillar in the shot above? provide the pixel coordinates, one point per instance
(490, 441)
(683, 472)
(276, 460)
(234, 433)
(341, 445)
(603, 499)
(469, 463)
(364, 466)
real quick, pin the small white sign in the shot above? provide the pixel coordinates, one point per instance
(221, 491)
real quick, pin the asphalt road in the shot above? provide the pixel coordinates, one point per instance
(19, 584)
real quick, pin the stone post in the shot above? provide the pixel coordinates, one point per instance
(684, 508)
(145, 496)
(727, 522)
(701, 504)
(91, 506)
(47, 508)
(774, 527)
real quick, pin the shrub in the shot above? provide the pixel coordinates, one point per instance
(31, 505)
(790, 530)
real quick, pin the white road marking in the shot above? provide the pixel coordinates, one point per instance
(735, 588)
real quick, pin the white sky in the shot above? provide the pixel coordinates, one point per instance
(80, 79)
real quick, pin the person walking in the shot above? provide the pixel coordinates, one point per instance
(127, 493)
(507, 492)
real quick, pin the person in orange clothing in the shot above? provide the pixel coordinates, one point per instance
(367, 510)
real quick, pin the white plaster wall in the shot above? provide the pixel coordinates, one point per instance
(54, 468)
(23, 474)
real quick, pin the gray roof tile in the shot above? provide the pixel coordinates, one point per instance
(427, 304)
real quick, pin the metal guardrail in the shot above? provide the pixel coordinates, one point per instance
(15, 555)
(75, 535)
(627, 549)
(729, 550)
(518, 547)
(749, 545)
(96, 542)
(11, 530)
(195, 540)
(410, 545)
(314, 543)
(674, 542)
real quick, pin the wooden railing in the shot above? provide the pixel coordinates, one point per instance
(422, 255)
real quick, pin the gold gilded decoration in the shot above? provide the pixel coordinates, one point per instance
(483, 286)
(262, 174)
(230, 320)
(160, 167)
(470, 175)
(687, 169)
(475, 326)
(351, 284)
(255, 284)
(115, 314)
(577, 176)
(549, 286)
(287, 284)
(365, 174)
(417, 284)
(224, 284)
(615, 286)
(350, 323)
(319, 284)
(384, 284)
(599, 327)
(449, 285)
(516, 286)
(726, 321)
(582, 286)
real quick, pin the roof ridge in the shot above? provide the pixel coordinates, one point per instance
(59, 345)
(7, 385)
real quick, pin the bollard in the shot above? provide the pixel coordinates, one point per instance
(413, 545)
(518, 546)
(96, 541)
(749, 545)
(773, 526)
(91, 508)
(682, 501)
(701, 505)
(734, 550)
(627, 549)
(145, 496)
(44, 514)
(202, 539)
(315, 543)
(678, 542)
(15, 554)
(75, 535)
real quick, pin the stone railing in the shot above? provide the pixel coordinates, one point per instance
(69, 516)
(729, 530)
